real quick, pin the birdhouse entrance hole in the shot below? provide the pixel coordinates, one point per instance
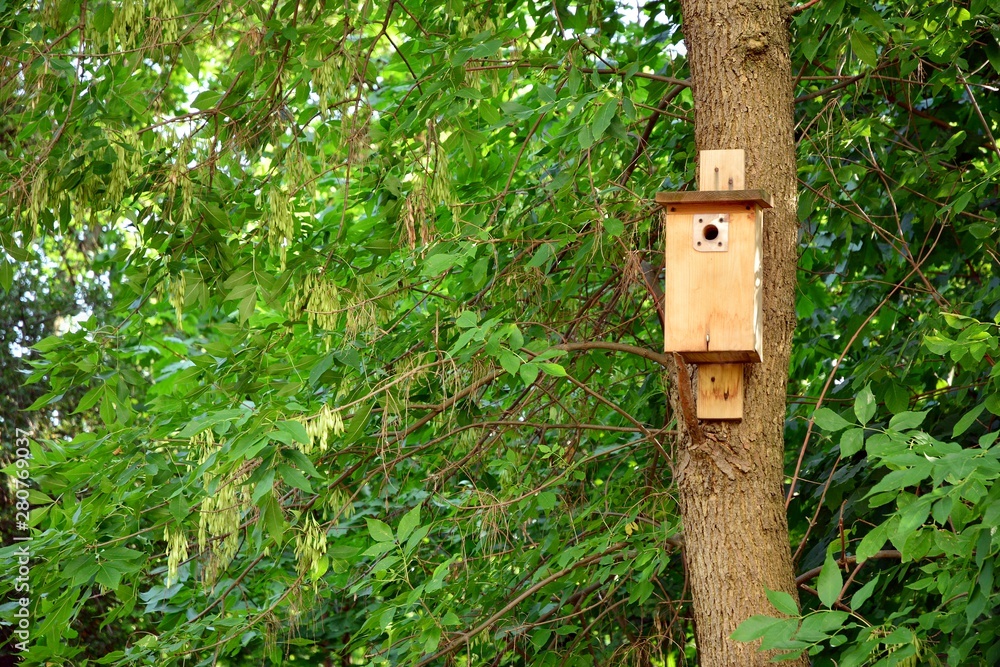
(711, 232)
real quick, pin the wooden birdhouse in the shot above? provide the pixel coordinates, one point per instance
(712, 297)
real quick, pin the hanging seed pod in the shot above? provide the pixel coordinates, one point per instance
(177, 553)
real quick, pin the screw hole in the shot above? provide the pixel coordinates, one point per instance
(720, 244)
(713, 379)
(699, 242)
(710, 232)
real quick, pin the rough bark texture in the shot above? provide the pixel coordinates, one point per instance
(730, 474)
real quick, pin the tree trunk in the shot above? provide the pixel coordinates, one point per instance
(730, 475)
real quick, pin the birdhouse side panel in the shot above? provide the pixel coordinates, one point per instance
(711, 294)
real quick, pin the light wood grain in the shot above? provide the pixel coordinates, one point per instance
(711, 297)
(722, 170)
(720, 391)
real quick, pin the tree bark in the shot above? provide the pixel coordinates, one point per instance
(730, 475)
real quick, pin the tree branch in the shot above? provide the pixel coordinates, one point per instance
(465, 637)
(792, 11)
(661, 359)
(850, 560)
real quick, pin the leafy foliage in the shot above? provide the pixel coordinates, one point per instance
(375, 384)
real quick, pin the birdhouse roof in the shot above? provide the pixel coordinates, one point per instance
(757, 197)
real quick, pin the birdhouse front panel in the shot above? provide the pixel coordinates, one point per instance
(713, 282)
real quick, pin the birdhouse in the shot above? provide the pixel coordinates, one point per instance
(712, 296)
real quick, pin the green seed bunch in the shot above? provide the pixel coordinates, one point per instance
(310, 548)
(280, 222)
(177, 552)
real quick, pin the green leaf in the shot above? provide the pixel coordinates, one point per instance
(897, 398)
(828, 420)
(103, 17)
(416, 537)
(273, 518)
(510, 361)
(108, 575)
(408, 523)
(541, 256)
(529, 372)
(356, 428)
(938, 344)
(439, 263)
(754, 628)
(779, 636)
(294, 478)
(614, 227)
(342, 552)
(897, 480)
(89, 399)
(48, 343)
(546, 500)
(852, 441)
(540, 637)
(81, 569)
(863, 593)
(214, 215)
(247, 306)
(967, 420)
(863, 49)
(206, 100)
(467, 319)
(905, 421)
(379, 530)
(296, 430)
(552, 369)
(993, 55)
(602, 119)
(265, 485)
(6, 274)
(830, 581)
(516, 338)
(379, 548)
(199, 424)
(783, 602)
(864, 405)
(469, 93)
(322, 366)
(992, 404)
(871, 543)
(817, 626)
(190, 59)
